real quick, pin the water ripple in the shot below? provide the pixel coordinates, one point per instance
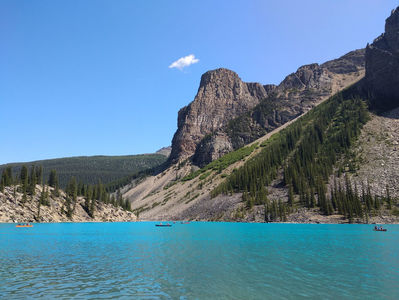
(198, 261)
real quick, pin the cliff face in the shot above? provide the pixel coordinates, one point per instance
(221, 97)
(296, 94)
(382, 65)
(373, 159)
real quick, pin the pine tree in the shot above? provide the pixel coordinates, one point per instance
(92, 207)
(89, 195)
(53, 179)
(290, 195)
(24, 198)
(24, 178)
(127, 205)
(2, 185)
(6, 178)
(53, 182)
(39, 174)
(312, 199)
(32, 181)
(72, 193)
(388, 198)
(38, 209)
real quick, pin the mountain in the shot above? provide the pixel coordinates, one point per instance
(164, 151)
(311, 150)
(228, 113)
(321, 147)
(221, 96)
(91, 169)
(382, 64)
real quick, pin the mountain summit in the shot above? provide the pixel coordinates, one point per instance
(382, 65)
(228, 113)
(221, 96)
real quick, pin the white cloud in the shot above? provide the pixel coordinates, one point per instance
(184, 62)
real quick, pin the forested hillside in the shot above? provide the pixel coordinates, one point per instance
(303, 156)
(92, 169)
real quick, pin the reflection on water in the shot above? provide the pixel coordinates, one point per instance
(198, 260)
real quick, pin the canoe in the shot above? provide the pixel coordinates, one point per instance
(163, 225)
(20, 226)
(380, 229)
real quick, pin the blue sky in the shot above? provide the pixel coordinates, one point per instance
(93, 77)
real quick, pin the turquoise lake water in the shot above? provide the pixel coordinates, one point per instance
(199, 260)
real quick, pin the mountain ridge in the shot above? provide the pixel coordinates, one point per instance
(204, 126)
(183, 191)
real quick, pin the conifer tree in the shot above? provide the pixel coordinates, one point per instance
(32, 181)
(72, 193)
(24, 198)
(388, 198)
(53, 178)
(24, 178)
(38, 209)
(39, 174)
(92, 207)
(6, 178)
(290, 195)
(53, 182)
(127, 205)
(89, 195)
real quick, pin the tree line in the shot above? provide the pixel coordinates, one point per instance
(306, 153)
(25, 182)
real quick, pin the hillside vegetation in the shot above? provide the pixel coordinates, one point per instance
(302, 158)
(90, 170)
(304, 171)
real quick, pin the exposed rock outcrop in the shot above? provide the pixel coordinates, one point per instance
(382, 65)
(14, 209)
(221, 96)
(168, 196)
(296, 94)
(164, 151)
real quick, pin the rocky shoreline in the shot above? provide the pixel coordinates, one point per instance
(14, 210)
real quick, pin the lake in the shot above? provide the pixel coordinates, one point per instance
(200, 260)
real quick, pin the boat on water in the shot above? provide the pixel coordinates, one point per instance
(185, 222)
(24, 225)
(163, 225)
(376, 228)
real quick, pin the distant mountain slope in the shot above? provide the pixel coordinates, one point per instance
(336, 163)
(296, 94)
(228, 113)
(91, 169)
(164, 151)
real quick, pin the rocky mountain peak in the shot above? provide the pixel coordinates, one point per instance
(382, 63)
(305, 76)
(221, 96)
(392, 30)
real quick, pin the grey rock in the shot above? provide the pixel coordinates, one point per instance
(382, 64)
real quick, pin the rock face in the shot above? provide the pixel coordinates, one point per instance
(164, 151)
(227, 113)
(222, 96)
(13, 209)
(382, 65)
